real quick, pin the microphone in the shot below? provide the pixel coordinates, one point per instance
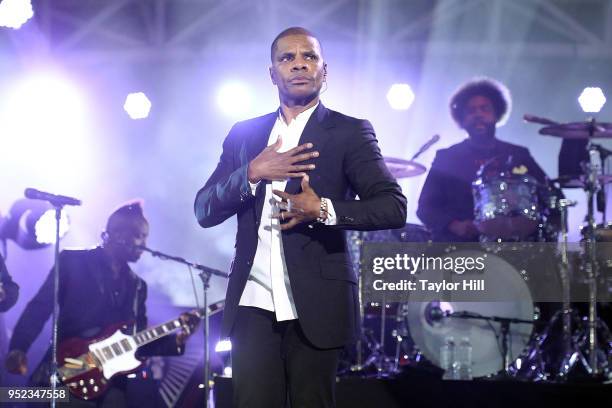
(539, 120)
(56, 200)
(434, 313)
(434, 139)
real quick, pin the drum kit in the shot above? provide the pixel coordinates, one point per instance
(522, 339)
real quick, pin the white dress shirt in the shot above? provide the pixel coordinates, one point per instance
(268, 286)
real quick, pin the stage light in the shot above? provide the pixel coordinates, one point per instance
(44, 130)
(400, 96)
(31, 224)
(14, 13)
(235, 99)
(137, 105)
(44, 229)
(223, 346)
(227, 371)
(592, 99)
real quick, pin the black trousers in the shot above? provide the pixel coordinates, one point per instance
(273, 360)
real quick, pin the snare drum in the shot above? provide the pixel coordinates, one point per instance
(506, 206)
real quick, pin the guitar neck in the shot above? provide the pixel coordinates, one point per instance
(157, 332)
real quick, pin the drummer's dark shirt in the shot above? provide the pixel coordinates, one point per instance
(447, 193)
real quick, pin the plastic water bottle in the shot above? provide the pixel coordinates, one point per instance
(447, 358)
(463, 359)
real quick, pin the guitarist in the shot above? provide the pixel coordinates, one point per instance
(97, 289)
(9, 290)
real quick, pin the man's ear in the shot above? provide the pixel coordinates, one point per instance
(325, 69)
(272, 75)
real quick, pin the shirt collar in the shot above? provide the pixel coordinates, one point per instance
(302, 117)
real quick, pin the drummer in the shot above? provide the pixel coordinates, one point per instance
(446, 205)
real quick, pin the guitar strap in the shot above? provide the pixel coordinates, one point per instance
(135, 306)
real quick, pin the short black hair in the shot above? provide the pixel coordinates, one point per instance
(131, 210)
(291, 31)
(495, 91)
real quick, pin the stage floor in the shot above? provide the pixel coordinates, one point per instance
(416, 390)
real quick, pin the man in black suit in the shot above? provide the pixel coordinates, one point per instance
(446, 204)
(292, 301)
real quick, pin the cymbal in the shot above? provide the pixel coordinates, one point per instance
(579, 130)
(401, 168)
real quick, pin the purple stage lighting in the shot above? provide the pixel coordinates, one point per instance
(14, 13)
(44, 124)
(44, 229)
(592, 99)
(31, 224)
(235, 99)
(223, 346)
(400, 96)
(137, 105)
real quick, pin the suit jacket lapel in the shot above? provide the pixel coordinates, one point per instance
(314, 132)
(255, 145)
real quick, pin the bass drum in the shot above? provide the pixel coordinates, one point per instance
(429, 332)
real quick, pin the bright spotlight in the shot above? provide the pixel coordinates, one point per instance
(14, 13)
(227, 371)
(137, 105)
(31, 224)
(46, 132)
(44, 229)
(42, 122)
(235, 99)
(400, 96)
(592, 99)
(223, 346)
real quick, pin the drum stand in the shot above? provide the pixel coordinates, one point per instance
(571, 345)
(580, 344)
(383, 364)
(596, 364)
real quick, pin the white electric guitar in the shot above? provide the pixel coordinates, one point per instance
(87, 365)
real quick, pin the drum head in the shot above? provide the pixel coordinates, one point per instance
(430, 334)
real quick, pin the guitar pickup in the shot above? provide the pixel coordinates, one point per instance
(73, 363)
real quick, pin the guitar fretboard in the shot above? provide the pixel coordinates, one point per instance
(154, 333)
(141, 338)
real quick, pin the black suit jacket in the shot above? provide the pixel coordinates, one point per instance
(323, 284)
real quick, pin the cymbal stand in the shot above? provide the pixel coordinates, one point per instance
(571, 351)
(591, 267)
(532, 366)
(377, 356)
(354, 241)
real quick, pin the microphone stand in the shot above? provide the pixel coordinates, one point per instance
(54, 375)
(205, 274)
(58, 202)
